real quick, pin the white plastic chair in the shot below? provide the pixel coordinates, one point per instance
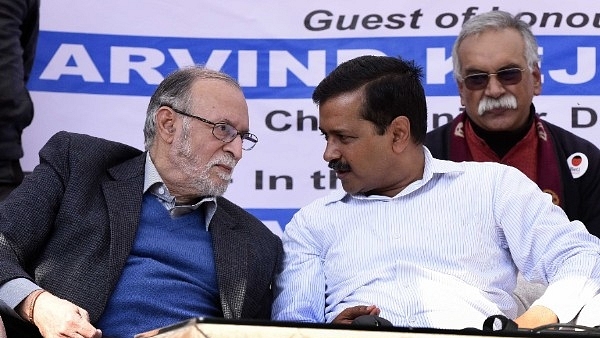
(526, 293)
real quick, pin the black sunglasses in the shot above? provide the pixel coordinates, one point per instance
(509, 76)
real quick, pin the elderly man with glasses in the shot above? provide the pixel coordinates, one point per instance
(104, 239)
(496, 66)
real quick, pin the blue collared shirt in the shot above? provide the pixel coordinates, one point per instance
(442, 253)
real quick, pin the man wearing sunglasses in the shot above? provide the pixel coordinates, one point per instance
(105, 239)
(496, 67)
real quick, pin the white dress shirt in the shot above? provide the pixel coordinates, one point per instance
(442, 253)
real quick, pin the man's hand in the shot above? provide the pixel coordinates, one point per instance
(351, 313)
(56, 317)
(536, 316)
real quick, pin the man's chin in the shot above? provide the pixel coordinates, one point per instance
(348, 188)
(220, 190)
(217, 188)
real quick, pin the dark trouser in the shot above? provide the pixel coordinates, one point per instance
(17, 328)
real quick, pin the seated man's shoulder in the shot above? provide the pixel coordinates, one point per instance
(239, 214)
(237, 217)
(483, 170)
(570, 141)
(86, 152)
(69, 142)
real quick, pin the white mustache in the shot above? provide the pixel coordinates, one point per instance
(506, 101)
(225, 160)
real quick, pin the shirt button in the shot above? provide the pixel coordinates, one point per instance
(161, 190)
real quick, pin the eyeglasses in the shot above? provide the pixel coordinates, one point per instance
(509, 76)
(223, 131)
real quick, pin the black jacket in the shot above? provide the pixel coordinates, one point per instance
(71, 224)
(19, 28)
(581, 195)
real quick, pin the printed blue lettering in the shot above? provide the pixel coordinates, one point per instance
(274, 68)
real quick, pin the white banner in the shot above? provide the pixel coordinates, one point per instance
(99, 61)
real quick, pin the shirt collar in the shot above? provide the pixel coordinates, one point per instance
(154, 184)
(151, 175)
(433, 167)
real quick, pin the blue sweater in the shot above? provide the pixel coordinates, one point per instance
(169, 275)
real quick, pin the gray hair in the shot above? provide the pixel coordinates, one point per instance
(175, 91)
(496, 20)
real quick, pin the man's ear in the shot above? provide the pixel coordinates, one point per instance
(400, 129)
(461, 90)
(537, 80)
(165, 124)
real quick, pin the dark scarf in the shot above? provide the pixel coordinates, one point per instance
(547, 172)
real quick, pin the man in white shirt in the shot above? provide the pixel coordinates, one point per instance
(420, 241)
